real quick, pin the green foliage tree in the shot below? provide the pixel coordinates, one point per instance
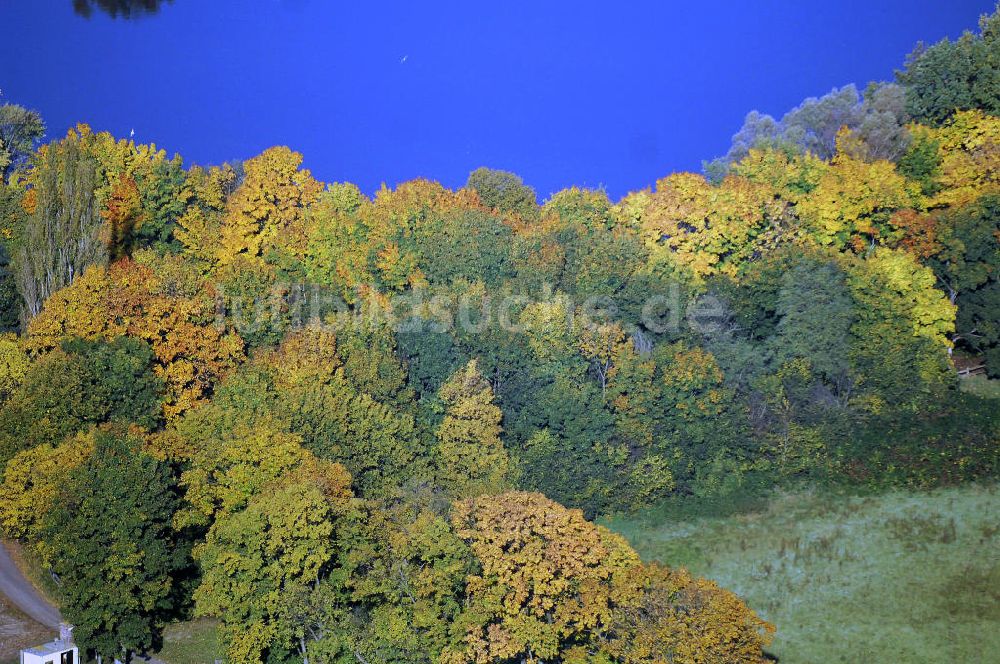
(978, 314)
(877, 118)
(82, 384)
(464, 244)
(10, 300)
(115, 552)
(62, 235)
(922, 163)
(967, 264)
(254, 558)
(816, 315)
(503, 191)
(20, 128)
(431, 355)
(371, 364)
(955, 75)
(164, 199)
(407, 574)
(564, 454)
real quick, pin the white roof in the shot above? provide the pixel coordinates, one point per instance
(51, 648)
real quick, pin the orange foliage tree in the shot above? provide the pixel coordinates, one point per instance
(191, 352)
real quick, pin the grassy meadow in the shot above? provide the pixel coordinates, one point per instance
(898, 578)
(981, 386)
(192, 642)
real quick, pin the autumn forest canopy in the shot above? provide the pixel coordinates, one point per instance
(378, 428)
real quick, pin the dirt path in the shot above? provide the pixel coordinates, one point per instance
(19, 591)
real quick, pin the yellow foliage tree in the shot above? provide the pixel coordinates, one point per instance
(601, 343)
(32, 480)
(14, 364)
(337, 252)
(267, 212)
(792, 176)
(853, 202)
(226, 471)
(911, 288)
(686, 620)
(969, 153)
(410, 205)
(198, 228)
(115, 159)
(692, 381)
(711, 230)
(471, 457)
(903, 325)
(549, 581)
(549, 327)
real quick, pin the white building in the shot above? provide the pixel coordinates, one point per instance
(54, 652)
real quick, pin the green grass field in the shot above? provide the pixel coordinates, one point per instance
(899, 578)
(194, 642)
(981, 386)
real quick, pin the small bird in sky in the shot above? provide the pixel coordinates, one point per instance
(403, 59)
(132, 135)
